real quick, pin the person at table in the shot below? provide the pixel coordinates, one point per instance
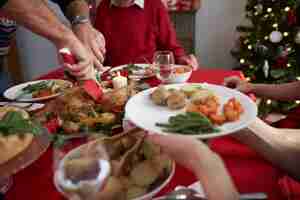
(78, 12)
(204, 163)
(279, 146)
(135, 29)
(35, 15)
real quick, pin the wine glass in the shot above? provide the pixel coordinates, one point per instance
(164, 63)
(81, 168)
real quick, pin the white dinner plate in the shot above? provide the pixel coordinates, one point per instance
(145, 114)
(137, 73)
(14, 93)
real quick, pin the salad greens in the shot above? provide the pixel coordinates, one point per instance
(31, 88)
(14, 123)
(189, 124)
(132, 68)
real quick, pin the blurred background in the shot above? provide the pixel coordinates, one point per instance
(209, 32)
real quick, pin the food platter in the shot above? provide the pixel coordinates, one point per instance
(18, 93)
(37, 147)
(145, 114)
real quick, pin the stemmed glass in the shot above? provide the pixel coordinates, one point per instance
(81, 168)
(164, 62)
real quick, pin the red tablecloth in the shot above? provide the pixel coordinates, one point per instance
(249, 172)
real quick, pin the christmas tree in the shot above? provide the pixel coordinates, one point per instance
(267, 48)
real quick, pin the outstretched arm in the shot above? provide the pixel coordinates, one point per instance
(36, 16)
(206, 165)
(279, 146)
(286, 91)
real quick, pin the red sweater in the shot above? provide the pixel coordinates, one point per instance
(133, 33)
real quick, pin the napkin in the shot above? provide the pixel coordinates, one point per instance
(92, 87)
(290, 188)
(228, 146)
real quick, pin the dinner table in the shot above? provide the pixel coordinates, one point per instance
(249, 171)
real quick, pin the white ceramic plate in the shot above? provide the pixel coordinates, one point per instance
(137, 73)
(145, 114)
(14, 93)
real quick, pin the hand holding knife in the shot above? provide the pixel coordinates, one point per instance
(69, 58)
(91, 84)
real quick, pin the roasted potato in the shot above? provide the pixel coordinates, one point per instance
(70, 127)
(144, 174)
(113, 190)
(200, 96)
(176, 100)
(81, 169)
(160, 95)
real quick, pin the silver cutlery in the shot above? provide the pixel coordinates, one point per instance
(183, 193)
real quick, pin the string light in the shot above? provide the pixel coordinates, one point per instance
(288, 65)
(287, 9)
(269, 101)
(266, 37)
(249, 47)
(242, 61)
(289, 49)
(275, 25)
(297, 102)
(248, 79)
(285, 34)
(298, 78)
(269, 10)
(256, 13)
(251, 66)
(266, 16)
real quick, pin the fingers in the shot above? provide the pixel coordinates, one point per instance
(104, 69)
(80, 70)
(95, 47)
(101, 41)
(193, 62)
(172, 143)
(97, 64)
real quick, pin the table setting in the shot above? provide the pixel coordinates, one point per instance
(94, 122)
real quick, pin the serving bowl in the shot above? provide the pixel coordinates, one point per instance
(181, 74)
(164, 177)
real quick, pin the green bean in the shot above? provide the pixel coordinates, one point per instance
(189, 123)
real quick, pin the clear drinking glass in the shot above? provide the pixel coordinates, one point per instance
(164, 62)
(81, 168)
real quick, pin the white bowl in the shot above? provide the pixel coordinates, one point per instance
(180, 77)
